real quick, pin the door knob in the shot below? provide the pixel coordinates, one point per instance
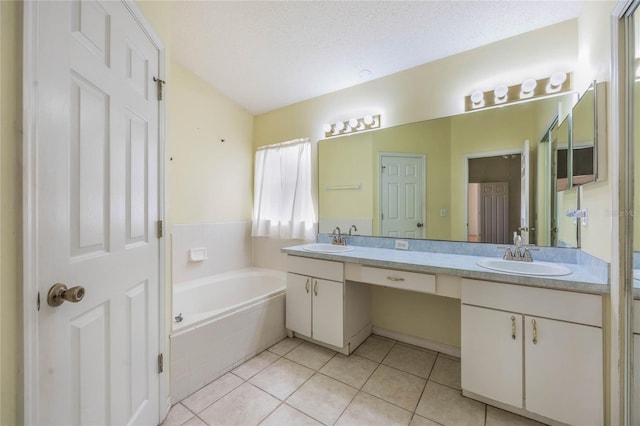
(420, 225)
(58, 293)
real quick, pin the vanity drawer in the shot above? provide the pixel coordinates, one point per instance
(424, 283)
(562, 305)
(317, 268)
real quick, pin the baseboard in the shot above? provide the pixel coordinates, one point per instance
(418, 341)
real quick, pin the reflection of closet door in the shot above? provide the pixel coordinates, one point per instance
(402, 196)
(494, 212)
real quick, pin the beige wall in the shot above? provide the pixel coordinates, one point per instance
(10, 213)
(208, 180)
(341, 162)
(594, 31)
(432, 90)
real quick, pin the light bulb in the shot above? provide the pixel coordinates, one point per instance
(528, 86)
(368, 120)
(500, 92)
(557, 78)
(339, 126)
(353, 123)
(326, 128)
(477, 97)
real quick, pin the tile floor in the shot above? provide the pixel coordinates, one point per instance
(298, 383)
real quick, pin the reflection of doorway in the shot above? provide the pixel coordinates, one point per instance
(493, 198)
(402, 198)
(489, 212)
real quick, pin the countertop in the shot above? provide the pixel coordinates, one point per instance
(580, 279)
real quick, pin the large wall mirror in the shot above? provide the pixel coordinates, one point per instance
(472, 177)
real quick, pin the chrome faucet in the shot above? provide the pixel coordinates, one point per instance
(354, 228)
(517, 241)
(517, 254)
(338, 239)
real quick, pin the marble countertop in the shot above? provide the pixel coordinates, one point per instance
(460, 265)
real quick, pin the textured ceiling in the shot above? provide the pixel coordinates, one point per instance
(268, 54)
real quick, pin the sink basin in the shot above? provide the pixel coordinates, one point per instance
(328, 248)
(524, 268)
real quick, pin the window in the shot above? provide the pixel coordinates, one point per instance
(282, 201)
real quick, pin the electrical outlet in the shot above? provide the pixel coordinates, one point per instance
(402, 245)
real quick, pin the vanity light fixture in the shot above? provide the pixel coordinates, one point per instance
(352, 125)
(558, 83)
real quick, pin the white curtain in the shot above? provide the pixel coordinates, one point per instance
(283, 205)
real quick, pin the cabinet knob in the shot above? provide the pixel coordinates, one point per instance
(306, 286)
(513, 327)
(315, 287)
(535, 331)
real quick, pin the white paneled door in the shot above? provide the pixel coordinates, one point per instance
(97, 205)
(402, 196)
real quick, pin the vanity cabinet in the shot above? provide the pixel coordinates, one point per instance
(537, 350)
(322, 307)
(315, 308)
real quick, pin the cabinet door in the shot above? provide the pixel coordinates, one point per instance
(298, 304)
(328, 312)
(563, 371)
(491, 356)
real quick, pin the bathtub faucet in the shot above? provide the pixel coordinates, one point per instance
(338, 238)
(178, 317)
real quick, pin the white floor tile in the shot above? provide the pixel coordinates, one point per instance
(245, 406)
(212, 392)
(369, 410)
(288, 416)
(322, 398)
(178, 415)
(395, 386)
(282, 378)
(254, 365)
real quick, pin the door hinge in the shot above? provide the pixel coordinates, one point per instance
(160, 84)
(38, 301)
(160, 229)
(160, 363)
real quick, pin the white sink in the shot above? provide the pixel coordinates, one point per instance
(327, 248)
(524, 268)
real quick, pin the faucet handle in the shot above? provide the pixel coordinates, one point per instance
(526, 257)
(507, 254)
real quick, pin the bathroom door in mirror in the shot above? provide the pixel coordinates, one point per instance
(402, 195)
